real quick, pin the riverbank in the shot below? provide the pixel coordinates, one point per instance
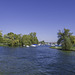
(2, 45)
(60, 48)
(53, 47)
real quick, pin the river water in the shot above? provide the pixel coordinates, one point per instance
(36, 61)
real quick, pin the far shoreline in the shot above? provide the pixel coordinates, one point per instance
(60, 48)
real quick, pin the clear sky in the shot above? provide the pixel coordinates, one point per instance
(45, 17)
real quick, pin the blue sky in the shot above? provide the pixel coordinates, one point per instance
(45, 17)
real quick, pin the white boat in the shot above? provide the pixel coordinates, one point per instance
(39, 44)
(33, 45)
(52, 45)
(24, 45)
(27, 46)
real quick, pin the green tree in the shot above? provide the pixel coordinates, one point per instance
(67, 44)
(1, 38)
(42, 42)
(12, 39)
(34, 39)
(19, 37)
(5, 39)
(64, 39)
(26, 40)
(72, 39)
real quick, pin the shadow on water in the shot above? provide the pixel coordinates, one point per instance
(36, 61)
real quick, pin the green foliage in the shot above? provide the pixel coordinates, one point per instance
(72, 39)
(26, 40)
(64, 39)
(1, 39)
(42, 42)
(12, 39)
(53, 47)
(29, 39)
(66, 45)
(33, 38)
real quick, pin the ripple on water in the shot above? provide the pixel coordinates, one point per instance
(36, 61)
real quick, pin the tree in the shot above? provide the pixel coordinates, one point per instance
(1, 39)
(26, 40)
(67, 44)
(72, 39)
(64, 39)
(34, 39)
(42, 42)
(12, 39)
(20, 39)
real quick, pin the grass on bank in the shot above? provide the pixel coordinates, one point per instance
(73, 48)
(2, 44)
(54, 47)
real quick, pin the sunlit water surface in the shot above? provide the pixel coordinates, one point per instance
(36, 61)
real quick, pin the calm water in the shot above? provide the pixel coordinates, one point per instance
(36, 61)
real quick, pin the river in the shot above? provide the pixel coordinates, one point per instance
(41, 60)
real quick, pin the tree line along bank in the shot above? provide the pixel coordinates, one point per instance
(12, 39)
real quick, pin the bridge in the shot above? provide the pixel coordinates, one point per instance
(51, 43)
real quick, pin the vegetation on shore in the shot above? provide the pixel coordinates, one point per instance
(73, 48)
(66, 39)
(42, 42)
(2, 44)
(60, 48)
(12, 39)
(54, 47)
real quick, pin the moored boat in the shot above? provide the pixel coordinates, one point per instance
(34, 45)
(27, 46)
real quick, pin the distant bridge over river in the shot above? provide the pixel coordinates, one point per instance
(51, 43)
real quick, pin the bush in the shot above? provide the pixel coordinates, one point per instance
(66, 45)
